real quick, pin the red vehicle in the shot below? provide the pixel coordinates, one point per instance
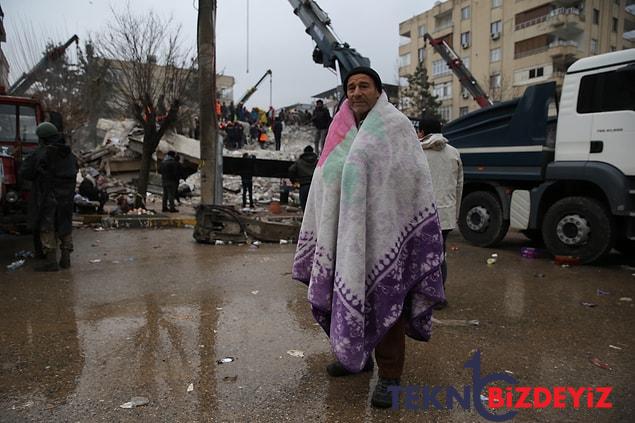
(19, 117)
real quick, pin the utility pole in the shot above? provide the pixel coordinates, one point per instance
(207, 99)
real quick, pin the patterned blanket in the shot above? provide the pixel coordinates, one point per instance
(370, 246)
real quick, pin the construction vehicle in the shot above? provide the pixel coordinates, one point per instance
(457, 66)
(564, 174)
(253, 89)
(19, 117)
(24, 82)
(328, 51)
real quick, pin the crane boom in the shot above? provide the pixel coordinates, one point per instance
(328, 50)
(457, 66)
(20, 87)
(253, 89)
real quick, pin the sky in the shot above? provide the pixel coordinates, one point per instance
(277, 40)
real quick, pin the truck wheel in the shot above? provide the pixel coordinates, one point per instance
(579, 227)
(481, 219)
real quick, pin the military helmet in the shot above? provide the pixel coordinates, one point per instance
(46, 130)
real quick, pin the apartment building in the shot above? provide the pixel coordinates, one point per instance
(509, 44)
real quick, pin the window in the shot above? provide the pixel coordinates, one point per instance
(7, 122)
(607, 91)
(497, 3)
(443, 91)
(439, 68)
(464, 111)
(495, 55)
(536, 72)
(614, 24)
(421, 54)
(465, 39)
(422, 30)
(596, 16)
(404, 60)
(594, 46)
(28, 124)
(446, 113)
(496, 27)
(465, 13)
(495, 81)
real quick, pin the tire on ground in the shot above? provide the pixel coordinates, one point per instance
(588, 211)
(495, 227)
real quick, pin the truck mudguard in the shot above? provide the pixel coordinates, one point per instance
(609, 179)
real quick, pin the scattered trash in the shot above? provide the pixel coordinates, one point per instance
(539, 275)
(531, 252)
(219, 242)
(598, 363)
(219, 308)
(255, 292)
(565, 266)
(454, 248)
(135, 402)
(588, 304)
(284, 241)
(600, 292)
(225, 360)
(15, 265)
(495, 255)
(99, 229)
(94, 261)
(190, 387)
(256, 243)
(253, 247)
(230, 378)
(24, 254)
(296, 353)
(626, 299)
(569, 260)
(491, 261)
(614, 347)
(509, 372)
(456, 322)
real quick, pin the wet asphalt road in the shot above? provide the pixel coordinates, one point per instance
(158, 310)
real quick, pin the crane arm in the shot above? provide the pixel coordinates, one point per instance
(253, 89)
(457, 66)
(25, 81)
(328, 50)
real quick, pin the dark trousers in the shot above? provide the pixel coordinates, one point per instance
(444, 265)
(169, 193)
(248, 187)
(390, 353)
(304, 195)
(278, 141)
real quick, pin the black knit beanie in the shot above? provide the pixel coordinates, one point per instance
(366, 71)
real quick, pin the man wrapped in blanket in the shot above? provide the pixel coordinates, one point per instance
(370, 247)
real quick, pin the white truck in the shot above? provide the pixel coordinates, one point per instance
(568, 177)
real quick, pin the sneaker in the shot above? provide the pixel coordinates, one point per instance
(65, 260)
(382, 397)
(337, 370)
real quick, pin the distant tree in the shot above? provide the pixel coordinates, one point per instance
(417, 96)
(150, 74)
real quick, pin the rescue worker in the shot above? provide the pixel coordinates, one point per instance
(302, 172)
(170, 174)
(52, 168)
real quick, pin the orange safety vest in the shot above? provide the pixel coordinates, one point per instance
(263, 137)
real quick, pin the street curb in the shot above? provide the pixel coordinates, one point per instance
(137, 222)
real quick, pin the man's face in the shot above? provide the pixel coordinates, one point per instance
(362, 94)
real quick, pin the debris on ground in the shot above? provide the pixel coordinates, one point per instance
(615, 347)
(626, 299)
(190, 387)
(230, 378)
(296, 353)
(601, 292)
(255, 292)
(24, 254)
(455, 322)
(491, 261)
(531, 252)
(94, 261)
(135, 402)
(539, 275)
(598, 363)
(15, 265)
(225, 360)
(590, 305)
(566, 261)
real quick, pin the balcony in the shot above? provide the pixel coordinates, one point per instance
(565, 22)
(565, 51)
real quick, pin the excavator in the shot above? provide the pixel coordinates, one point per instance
(253, 89)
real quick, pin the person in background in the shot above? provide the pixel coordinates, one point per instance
(321, 120)
(302, 172)
(277, 131)
(447, 180)
(170, 174)
(246, 178)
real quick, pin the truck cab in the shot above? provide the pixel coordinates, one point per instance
(570, 180)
